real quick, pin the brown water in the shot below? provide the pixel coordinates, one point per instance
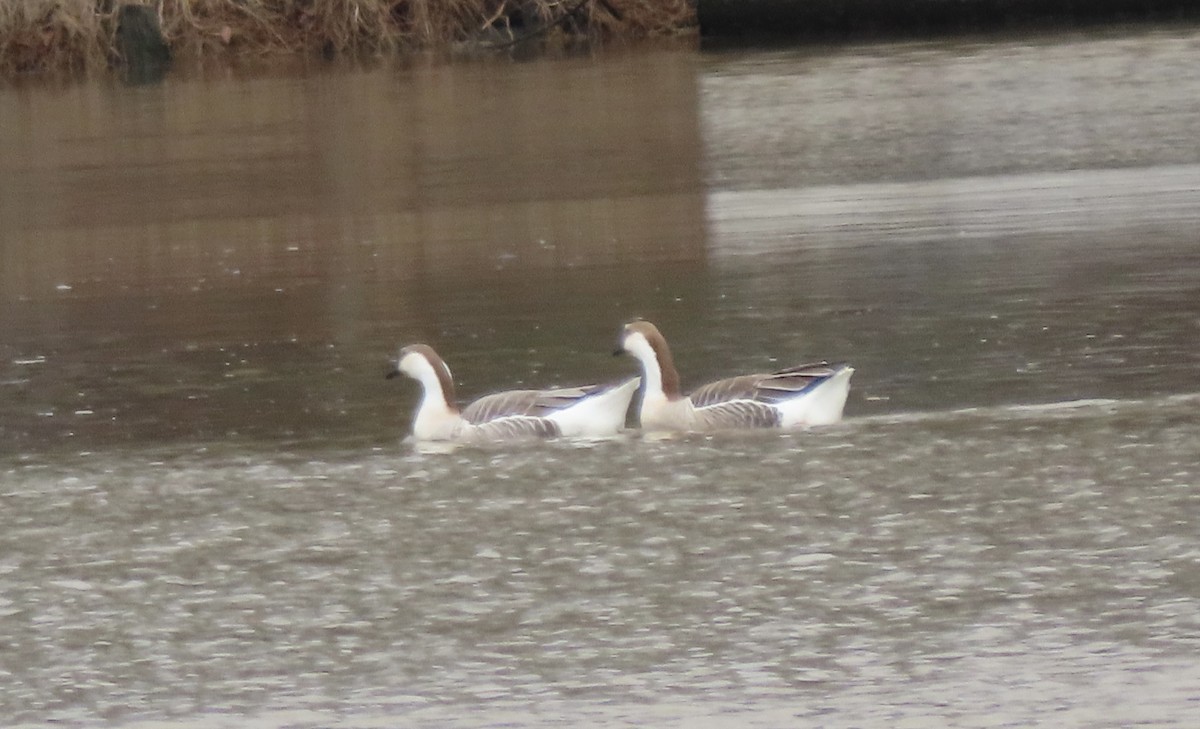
(208, 519)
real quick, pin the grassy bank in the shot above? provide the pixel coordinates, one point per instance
(80, 35)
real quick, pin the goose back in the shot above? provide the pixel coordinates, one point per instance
(535, 403)
(771, 388)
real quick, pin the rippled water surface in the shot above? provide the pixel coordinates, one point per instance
(208, 517)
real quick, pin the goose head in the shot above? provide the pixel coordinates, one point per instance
(642, 339)
(422, 364)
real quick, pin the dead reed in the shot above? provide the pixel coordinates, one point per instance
(65, 35)
(78, 35)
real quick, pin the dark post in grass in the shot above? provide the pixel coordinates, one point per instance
(140, 44)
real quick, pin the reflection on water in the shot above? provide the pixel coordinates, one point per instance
(188, 258)
(208, 519)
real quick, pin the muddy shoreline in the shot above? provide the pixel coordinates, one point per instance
(83, 36)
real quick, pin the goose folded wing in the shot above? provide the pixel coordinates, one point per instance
(742, 387)
(738, 414)
(517, 426)
(500, 405)
(788, 383)
(768, 388)
(534, 403)
(550, 401)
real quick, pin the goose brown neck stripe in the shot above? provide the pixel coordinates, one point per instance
(666, 364)
(439, 367)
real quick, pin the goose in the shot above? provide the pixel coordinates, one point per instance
(584, 412)
(809, 394)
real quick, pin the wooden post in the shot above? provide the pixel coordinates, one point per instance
(141, 45)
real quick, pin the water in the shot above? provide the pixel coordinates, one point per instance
(209, 518)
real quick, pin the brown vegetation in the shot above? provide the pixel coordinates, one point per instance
(78, 35)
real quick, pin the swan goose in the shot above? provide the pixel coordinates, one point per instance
(589, 411)
(810, 394)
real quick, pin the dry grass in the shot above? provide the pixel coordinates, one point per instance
(65, 35)
(78, 35)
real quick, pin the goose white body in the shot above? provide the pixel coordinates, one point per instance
(600, 415)
(822, 405)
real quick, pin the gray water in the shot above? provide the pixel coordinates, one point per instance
(209, 517)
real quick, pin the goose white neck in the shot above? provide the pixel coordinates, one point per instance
(436, 417)
(637, 345)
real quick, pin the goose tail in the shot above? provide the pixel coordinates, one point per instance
(599, 415)
(820, 404)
